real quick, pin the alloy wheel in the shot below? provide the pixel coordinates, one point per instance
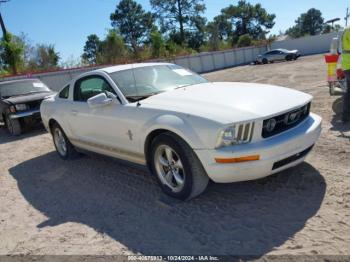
(60, 142)
(169, 168)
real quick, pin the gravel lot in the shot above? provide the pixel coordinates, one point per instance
(98, 205)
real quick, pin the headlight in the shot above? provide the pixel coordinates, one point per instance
(235, 134)
(21, 107)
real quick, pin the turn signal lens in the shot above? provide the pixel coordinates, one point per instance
(237, 159)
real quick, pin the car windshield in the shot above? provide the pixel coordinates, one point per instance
(141, 82)
(22, 88)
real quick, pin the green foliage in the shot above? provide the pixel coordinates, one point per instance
(133, 23)
(245, 18)
(328, 28)
(157, 43)
(180, 19)
(244, 40)
(91, 49)
(309, 23)
(11, 54)
(113, 49)
(44, 57)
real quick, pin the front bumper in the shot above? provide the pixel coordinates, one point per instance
(292, 145)
(33, 113)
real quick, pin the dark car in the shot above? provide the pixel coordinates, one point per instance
(20, 103)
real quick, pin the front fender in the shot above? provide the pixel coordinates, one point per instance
(180, 125)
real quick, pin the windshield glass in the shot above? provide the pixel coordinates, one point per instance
(149, 80)
(22, 88)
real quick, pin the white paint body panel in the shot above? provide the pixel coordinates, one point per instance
(197, 114)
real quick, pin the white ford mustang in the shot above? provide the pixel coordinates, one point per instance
(186, 129)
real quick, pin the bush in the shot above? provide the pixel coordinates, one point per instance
(244, 40)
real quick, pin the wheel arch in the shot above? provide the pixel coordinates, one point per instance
(51, 122)
(152, 135)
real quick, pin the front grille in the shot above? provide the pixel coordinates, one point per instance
(283, 122)
(292, 158)
(34, 104)
(244, 132)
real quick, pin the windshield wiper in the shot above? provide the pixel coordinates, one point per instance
(184, 85)
(140, 97)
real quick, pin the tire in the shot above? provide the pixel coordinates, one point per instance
(265, 61)
(337, 106)
(13, 126)
(194, 177)
(288, 58)
(64, 147)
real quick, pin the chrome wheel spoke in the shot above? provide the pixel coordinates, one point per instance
(169, 154)
(60, 142)
(163, 161)
(169, 177)
(169, 168)
(179, 180)
(178, 164)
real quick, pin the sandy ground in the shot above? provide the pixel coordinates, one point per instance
(97, 205)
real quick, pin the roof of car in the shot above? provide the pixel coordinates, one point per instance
(20, 80)
(116, 68)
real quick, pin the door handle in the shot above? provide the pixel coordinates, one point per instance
(74, 112)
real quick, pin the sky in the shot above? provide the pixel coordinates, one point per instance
(67, 23)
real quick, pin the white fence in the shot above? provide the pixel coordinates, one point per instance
(200, 63)
(206, 62)
(308, 45)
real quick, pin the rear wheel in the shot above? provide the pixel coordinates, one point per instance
(63, 146)
(337, 106)
(13, 126)
(178, 170)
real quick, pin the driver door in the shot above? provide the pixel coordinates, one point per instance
(93, 126)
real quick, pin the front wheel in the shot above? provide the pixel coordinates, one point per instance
(63, 146)
(178, 170)
(13, 126)
(265, 61)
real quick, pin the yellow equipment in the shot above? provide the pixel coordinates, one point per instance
(346, 49)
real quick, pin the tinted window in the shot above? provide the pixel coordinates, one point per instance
(64, 93)
(89, 87)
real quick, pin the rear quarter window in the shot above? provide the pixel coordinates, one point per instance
(64, 92)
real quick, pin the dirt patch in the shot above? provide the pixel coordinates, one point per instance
(98, 205)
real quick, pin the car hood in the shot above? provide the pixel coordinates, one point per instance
(228, 102)
(27, 98)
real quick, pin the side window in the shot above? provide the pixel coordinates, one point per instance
(64, 92)
(90, 86)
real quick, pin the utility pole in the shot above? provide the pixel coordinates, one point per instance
(3, 28)
(347, 17)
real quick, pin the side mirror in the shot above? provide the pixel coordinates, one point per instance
(100, 100)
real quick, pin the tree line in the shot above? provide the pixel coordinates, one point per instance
(171, 28)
